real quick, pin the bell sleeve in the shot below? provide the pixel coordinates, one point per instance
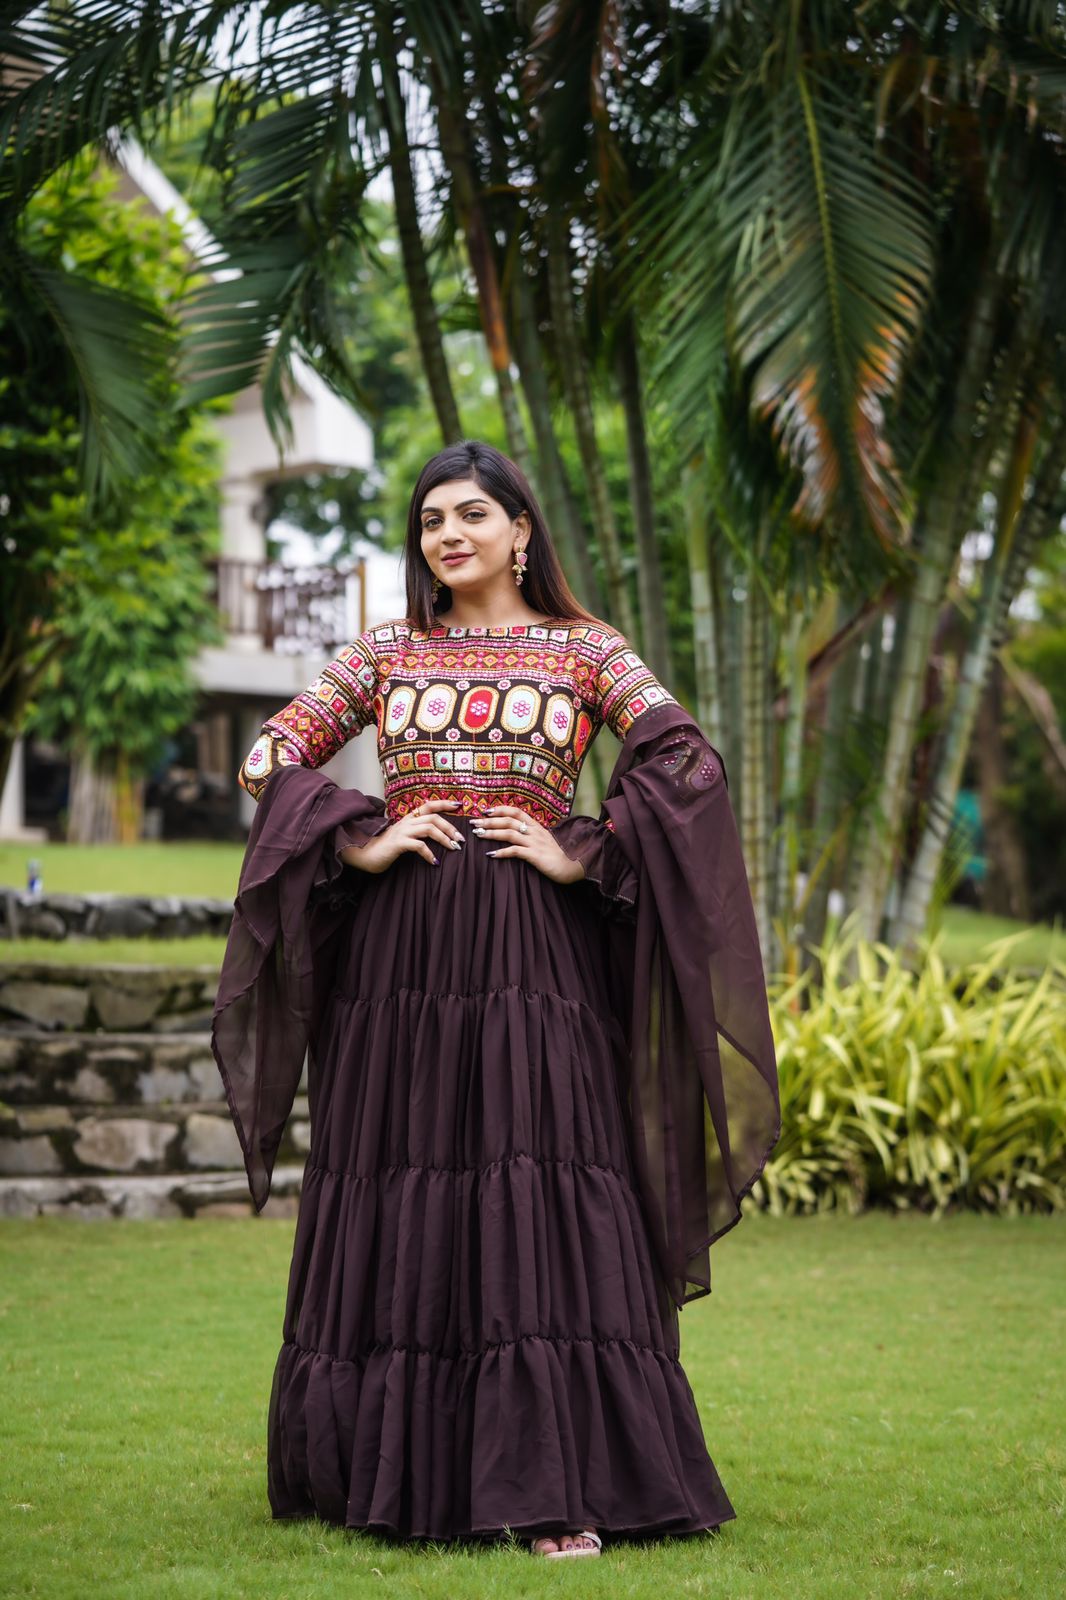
(703, 1087)
(591, 841)
(291, 901)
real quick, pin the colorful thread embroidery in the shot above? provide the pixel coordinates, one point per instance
(491, 716)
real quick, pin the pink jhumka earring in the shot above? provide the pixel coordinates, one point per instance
(519, 564)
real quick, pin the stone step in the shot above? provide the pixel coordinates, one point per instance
(199, 1195)
(61, 998)
(42, 1141)
(106, 1069)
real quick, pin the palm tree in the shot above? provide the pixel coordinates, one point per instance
(844, 170)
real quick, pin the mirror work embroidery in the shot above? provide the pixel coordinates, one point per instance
(489, 716)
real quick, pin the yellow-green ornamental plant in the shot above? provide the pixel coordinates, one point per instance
(921, 1087)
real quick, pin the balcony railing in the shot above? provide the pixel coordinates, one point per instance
(291, 610)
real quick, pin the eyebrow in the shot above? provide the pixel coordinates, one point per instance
(459, 506)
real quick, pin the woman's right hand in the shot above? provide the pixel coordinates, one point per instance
(406, 833)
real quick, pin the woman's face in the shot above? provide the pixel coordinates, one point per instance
(460, 518)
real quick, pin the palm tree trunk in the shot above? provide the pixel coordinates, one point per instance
(454, 143)
(866, 701)
(562, 507)
(655, 635)
(708, 699)
(830, 799)
(416, 269)
(129, 801)
(92, 816)
(573, 369)
(754, 828)
(936, 551)
(791, 792)
(729, 633)
(1007, 886)
(1023, 531)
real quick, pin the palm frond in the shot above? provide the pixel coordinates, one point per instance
(124, 352)
(821, 248)
(293, 200)
(73, 74)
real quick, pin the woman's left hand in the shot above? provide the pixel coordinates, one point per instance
(503, 825)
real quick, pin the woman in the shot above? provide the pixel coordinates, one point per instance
(540, 1067)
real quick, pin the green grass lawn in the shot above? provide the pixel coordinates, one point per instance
(202, 951)
(200, 868)
(882, 1397)
(967, 933)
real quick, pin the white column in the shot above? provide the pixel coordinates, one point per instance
(12, 802)
(248, 721)
(243, 538)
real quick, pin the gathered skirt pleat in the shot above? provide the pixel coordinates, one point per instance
(476, 1337)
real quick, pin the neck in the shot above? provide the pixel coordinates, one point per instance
(486, 619)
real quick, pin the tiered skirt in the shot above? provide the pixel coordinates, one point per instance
(476, 1338)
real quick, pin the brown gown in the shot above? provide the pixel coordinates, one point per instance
(533, 1108)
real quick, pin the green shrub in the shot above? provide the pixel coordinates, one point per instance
(927, 1088)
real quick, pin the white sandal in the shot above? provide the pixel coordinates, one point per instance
(585, 1533)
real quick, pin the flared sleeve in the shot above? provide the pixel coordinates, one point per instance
(607, 868)
(292, 899)
(703, 1089)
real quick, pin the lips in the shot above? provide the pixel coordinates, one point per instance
(454, 560)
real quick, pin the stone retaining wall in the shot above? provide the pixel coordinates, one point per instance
(130, 1069)
(109, 916)
(164, 999)
(111, 1103)
(47, 1141)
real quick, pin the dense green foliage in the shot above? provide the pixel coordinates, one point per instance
(105, 605)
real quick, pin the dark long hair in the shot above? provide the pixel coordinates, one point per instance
(543, 586)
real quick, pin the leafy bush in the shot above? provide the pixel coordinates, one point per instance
(931, 1089)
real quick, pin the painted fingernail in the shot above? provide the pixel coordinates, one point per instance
(492, 852)
(457, 844)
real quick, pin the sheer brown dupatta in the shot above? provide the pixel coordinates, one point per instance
(281, 952)
(704, 1092)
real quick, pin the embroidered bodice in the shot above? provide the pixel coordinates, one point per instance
(491, 716)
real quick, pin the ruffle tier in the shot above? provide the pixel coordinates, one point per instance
(460, 1080)
(456, 1261)
(530, 1435)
